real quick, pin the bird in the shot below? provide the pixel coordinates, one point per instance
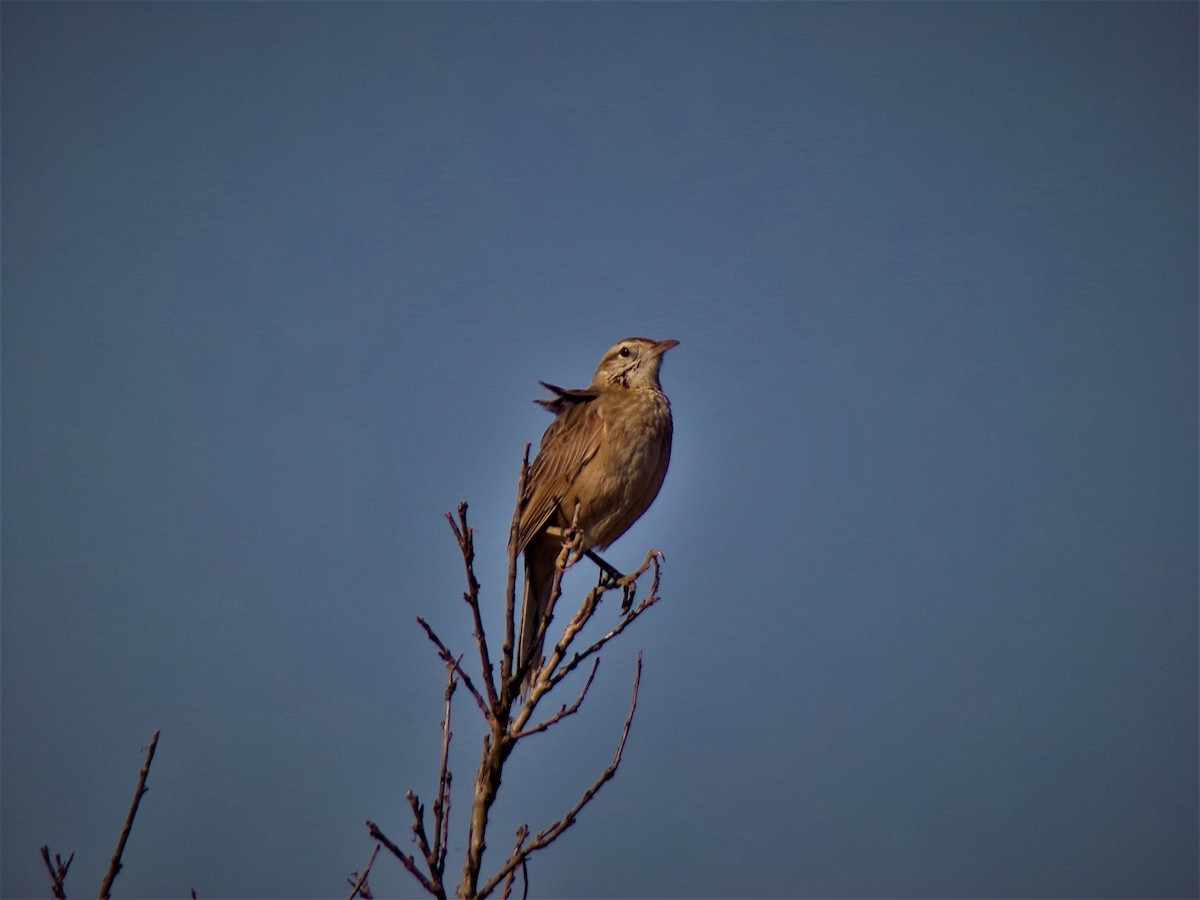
(606, 451)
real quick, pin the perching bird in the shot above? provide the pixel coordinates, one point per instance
(607, 450)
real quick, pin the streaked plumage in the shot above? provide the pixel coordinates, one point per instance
(607, 450)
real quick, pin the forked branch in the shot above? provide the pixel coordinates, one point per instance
(456, 664)
(548, 835)
(409, 862)
(508, 714)
(565, 710)
(358, 883)
(466, 543)
(57, 870)
(432, 880)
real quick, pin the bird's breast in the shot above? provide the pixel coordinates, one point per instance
(623, 479)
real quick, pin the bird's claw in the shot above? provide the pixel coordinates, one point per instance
(610, 577)
(572, 538)
(628, 591)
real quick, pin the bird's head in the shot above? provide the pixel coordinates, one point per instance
(633, 363)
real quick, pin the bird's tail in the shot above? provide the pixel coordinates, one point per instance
(541, 556)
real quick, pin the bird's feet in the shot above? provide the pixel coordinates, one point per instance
(572, 539)
(610, 577)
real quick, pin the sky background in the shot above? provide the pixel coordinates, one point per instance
(280, 280)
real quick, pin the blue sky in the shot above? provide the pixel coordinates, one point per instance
(279, 281)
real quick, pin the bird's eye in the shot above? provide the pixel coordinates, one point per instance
(624, 351)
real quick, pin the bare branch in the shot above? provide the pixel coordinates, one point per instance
(497, 746)
(553, 671)
(596, 646)
(441, 805)
(409, 862)
(435, 853)
(114, 865)
(449, 659)
(360, 884)
(546, 676)
(510, 592)
(533, 664)
(466, 542)
(548, 835)
(522, 836)
(418, 826)
(565, 711)
(506, 726)
(58, 871)
(572, 538)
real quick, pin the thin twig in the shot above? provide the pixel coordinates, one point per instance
(58, 871)
(522, 836)
(409, 862)
(441, 805)
(534, 666)
(548, 835)
(435, 855)
(567, 557)
(466, 543)
(554, 671)
(418, 826)
(449, 659)
(510, 592)
(114, 865)
(564, 711)
(595, 647)
(360, 886)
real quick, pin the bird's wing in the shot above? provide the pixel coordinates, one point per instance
(565, 399)
(570, 442)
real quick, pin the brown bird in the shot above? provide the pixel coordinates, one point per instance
(607, 450)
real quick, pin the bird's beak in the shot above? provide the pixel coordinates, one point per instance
(662, 347)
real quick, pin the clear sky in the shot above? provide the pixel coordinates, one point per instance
(279, 281)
